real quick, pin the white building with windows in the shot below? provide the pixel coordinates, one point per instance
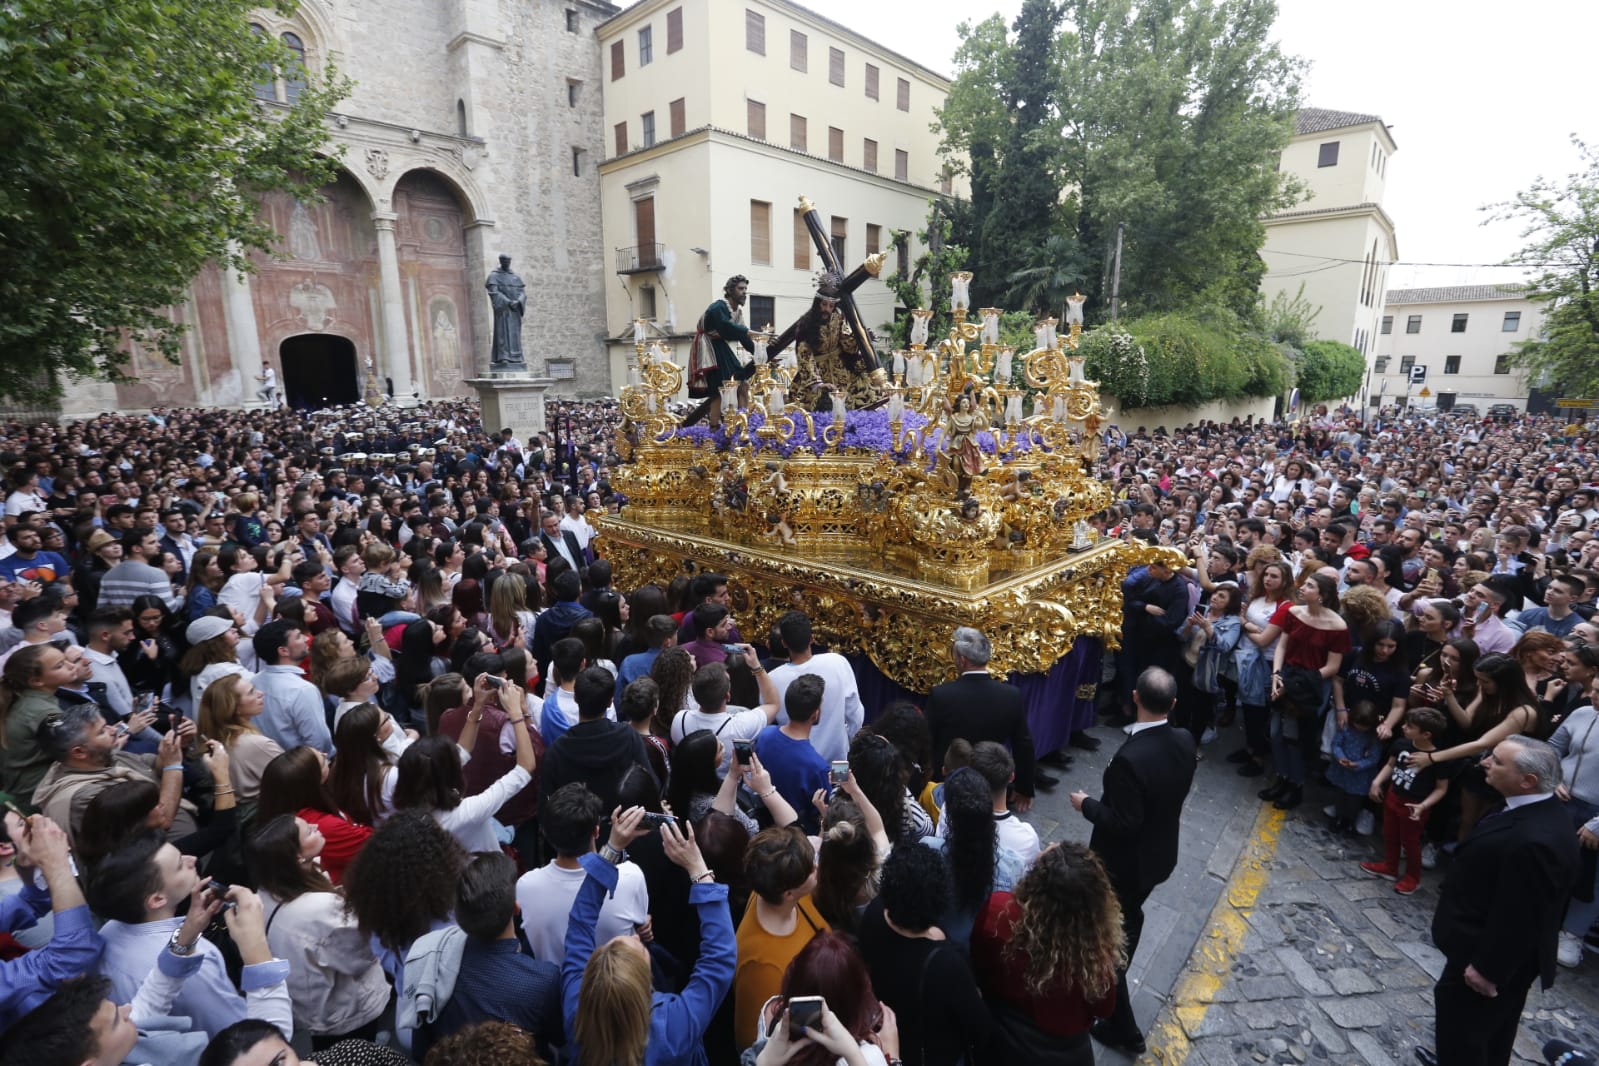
(1462, 335)
(719, 116)
(1337, 242)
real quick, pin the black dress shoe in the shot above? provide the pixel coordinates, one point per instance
(1084, 741)
(1251, 769)
(1128, 1045)
(1242, 755)
(1426, 1056)
(1057, 759)
(1045, 781)
(1291, 797)
(1275, 790)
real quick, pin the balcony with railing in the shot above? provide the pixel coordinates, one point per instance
(640, 259)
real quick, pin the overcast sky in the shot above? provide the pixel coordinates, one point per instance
(1481, 97)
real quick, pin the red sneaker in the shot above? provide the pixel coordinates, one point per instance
(1380, 869)
(1407, 885)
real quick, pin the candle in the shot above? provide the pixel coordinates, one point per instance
(919, 319)
(990, 325)
(1002, 367)
(897, 366)
(959, 283)
(633, 377)
(896, 405)
(838, 409)
(649, 402)
(1074, 309)
(1013, 407)
(775, 401)
(1058, 408)
(913, 371)
(638, 331)
(1041, 336)
(1050, 337)
(1076, 366)
(730, 396)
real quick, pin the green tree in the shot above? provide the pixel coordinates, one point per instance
(135, 155)
(1167, 115)
(1560, 225)
(1328, 370)
(929, 276)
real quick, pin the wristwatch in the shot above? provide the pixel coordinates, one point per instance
(611, 855)
(182, 951)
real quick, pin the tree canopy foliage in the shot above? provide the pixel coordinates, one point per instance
(1165, 115)
(135, 154)
(1328, 370)
(1560, 225)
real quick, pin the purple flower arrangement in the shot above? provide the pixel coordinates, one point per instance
(866, 430)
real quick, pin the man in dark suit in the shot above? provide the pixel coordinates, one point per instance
(559, 543)
(1154, 607)
(1500, 908)
(1136, 824)
(975, 707)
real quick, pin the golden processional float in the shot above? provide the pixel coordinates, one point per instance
(963, 501)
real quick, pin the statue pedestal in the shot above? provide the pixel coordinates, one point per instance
(512, 400)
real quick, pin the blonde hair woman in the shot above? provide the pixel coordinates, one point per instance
(228, 711)
(617, 1018)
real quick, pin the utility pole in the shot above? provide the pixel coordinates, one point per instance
(1116, 273)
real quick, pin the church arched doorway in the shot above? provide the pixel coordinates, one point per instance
(319, 370)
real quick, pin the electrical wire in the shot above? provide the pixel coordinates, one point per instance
(1411, 263)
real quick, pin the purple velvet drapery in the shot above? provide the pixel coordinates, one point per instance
(1054, 709)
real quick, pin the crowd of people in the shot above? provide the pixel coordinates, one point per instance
(334, 741)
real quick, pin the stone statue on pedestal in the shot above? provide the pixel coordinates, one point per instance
(508, 297)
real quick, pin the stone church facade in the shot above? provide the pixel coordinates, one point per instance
(472, 130)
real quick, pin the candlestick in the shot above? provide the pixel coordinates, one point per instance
(896, 405)
(990, 333)
(920, 318)
(1050, 337)
(838, 409)
(896, 367)
(1074, 309)
(1002, 363)
(959, 283)
(639, 333)
(1076, 367)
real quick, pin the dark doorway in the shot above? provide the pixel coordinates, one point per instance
(319, 371)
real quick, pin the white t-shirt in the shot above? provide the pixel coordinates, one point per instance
(545, 897)
(736, 723)
(1010, 832)
(842, 714)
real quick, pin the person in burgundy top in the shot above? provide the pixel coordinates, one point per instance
(295, 782)
(1314, 641)
(1046, 957)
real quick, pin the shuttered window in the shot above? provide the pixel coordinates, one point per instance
(674, 30)
(755, 119)
(802, 242)
(835, 144)
(871, 82)
(621, 138)
(676, 109)
(798, 51)
(797, 137)
(869, 155)
(902, 95)
(618, 59)
(835, 66)
(755, 32)
(902, 165)
(761, 232)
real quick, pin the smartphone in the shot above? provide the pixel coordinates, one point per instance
(219, 889)
(655, 821)
(18, 811)
(838, 772)
(492, 681)
(804, 1012)
(742, 751)
(733, 651)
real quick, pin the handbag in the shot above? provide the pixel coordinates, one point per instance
(701, 360)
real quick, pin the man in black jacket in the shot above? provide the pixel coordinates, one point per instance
(596, 751)
(975, 707)
(1136, 824)
(1154, 607)
(1500, 908)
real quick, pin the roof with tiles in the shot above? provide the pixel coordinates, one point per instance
(1450, 294)
(1320, 119)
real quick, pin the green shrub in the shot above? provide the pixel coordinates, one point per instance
(1175, 358)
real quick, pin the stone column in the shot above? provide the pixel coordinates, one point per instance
(396, 343)
(244, 340)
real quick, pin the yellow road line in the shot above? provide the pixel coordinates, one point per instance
(1210, 966)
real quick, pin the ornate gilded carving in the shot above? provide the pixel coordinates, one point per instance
(889, 528)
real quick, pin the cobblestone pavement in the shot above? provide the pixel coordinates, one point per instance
(1270, 945)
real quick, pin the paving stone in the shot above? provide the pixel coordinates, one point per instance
(1257, 988)
(1371, 1049)
(1381, 946)
(1217, 1020)
(1350, 1013)
(1426, 956)
(1365, 888)
(1271, 1014)
(1324, 1035)
(1303, 973)
(1348, 981)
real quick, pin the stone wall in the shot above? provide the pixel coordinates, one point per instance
(1172, 418)
(457, 146)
